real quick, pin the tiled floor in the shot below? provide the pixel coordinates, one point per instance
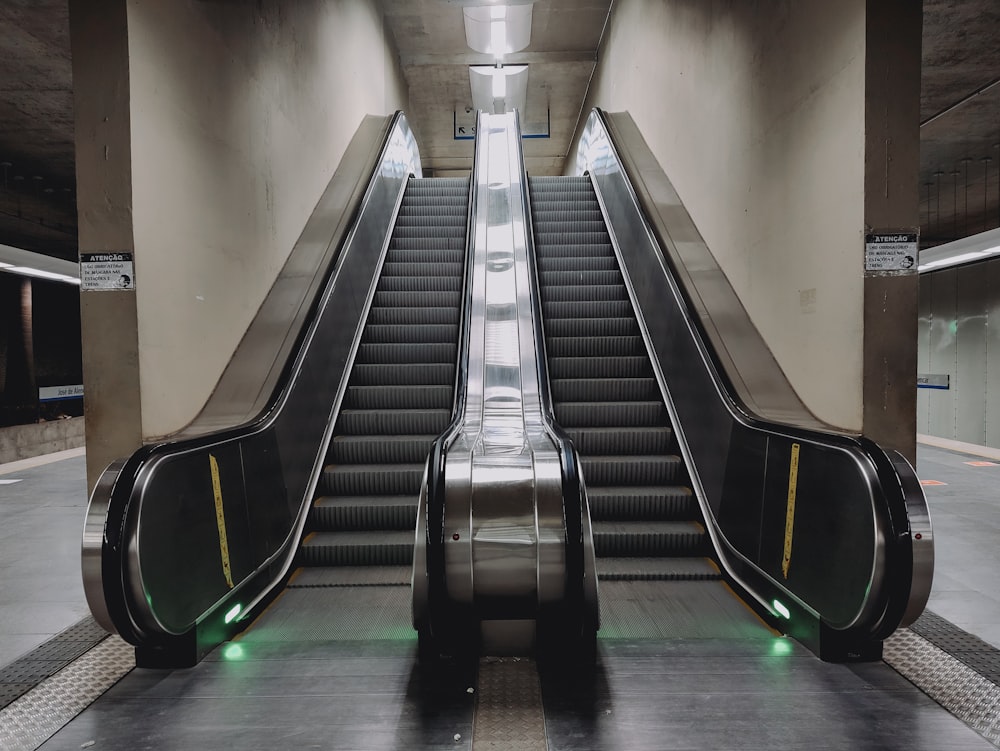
(41, 520)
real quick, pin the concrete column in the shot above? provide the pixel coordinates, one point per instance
(206, 133)
(892, 161)
(108, 320)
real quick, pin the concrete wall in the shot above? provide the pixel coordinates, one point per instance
(959, 337)
(757, 113)
(25, 441)
(206, 133)
(240, 113)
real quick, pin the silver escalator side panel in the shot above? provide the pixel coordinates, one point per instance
(753, 440)
(200, 529)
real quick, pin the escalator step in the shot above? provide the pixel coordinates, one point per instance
(392, 422)
(548, 264)
(371, 479)
(663, 469)
(424, 255)
(380, 333)
(610, 414)
(568, 309)
(595, 346)
(434, 230)
(654, 503)
(375, 548)
(412, 219)
(420, 283)
(410, 268)
(544, 214)
(414, 373)
(419, 299)
(644, 538)
(364, 513)
(657, 569)
(406, 353)
(600, 367)
(621, 441)
(379, 449)
(351, 576)
(413, 316)
(578, 293)
(575, 236)
(580, 276)
(407, 244)
(624, 326)
(443, 207)
(576, 251)
(605, 389)
(398, 397)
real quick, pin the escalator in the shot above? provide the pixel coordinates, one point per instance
(647, 524)
(398, 400)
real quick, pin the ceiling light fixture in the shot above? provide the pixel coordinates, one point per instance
(28, 271)
(966, 250)
(498, 30)
(499, 83)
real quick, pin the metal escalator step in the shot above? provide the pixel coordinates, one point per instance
(404, 353)
(444, 207)
(567, 194)
(571, 227)
(576, 263)
(610, 414)
(653, 539)
(576, 292)
(410, 332)
(420, 299)
(399, 397)
(411, 219)
(570, 309)
(376, 548)
(595, 346)
(415, 373)
(600, 367)
(581, 276)
(546, 213)
(371, 479)
(575, 251)
(351, 576)
(392, 422)
(425, 255)
(379, 449)
(407, 244)
(394, 268)
(604, 389)
(337, 513)
(650, 502)
(624, 326)
(595, 236)
(413, 316)
(657, 569)
(632, 470)
(434, 231)
(621, 441)
(456, 188)
(419, 283)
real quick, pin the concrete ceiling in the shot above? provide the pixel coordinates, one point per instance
(960, 106)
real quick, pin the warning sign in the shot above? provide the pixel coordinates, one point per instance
(891, 251)
(106, 271)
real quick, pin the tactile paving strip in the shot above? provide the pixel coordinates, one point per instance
(25, 673)
(508, 706)
(28, 722)
(979, 655)
(958, 688)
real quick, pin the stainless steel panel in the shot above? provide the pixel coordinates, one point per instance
(992, 273)
(923, 348)
(971, 300)
(504, 536)
(942, 351)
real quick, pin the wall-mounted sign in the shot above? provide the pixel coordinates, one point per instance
(53, 393)
(891, 251)
(106, 271)
(933, 381)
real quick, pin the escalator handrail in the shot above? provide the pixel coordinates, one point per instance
(111, 545)
(898, 505)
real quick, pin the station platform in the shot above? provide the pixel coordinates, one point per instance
(732, 683)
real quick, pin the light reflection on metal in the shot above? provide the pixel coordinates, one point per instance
(504, 534)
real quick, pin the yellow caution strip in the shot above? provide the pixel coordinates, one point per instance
(793, 481)
(220, 520)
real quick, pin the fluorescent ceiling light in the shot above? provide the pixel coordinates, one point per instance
(28, 271)
(499, 83)
(5, 265)
(966, 250)
(498, 30)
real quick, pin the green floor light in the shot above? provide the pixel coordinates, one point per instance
(781, 609)
(233, 612)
